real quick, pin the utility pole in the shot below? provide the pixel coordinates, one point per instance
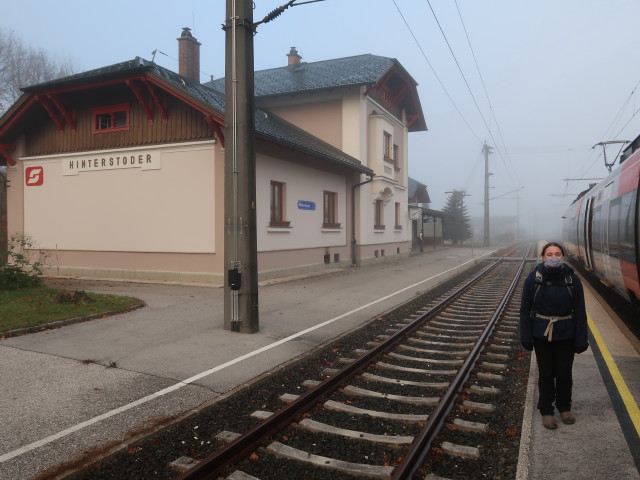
(486, 149)
(240, 237)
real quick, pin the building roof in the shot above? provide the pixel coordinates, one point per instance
(417, 192)
(273, 128)
(208, 100)
(305, 77)
(355, 71)
(187, 85)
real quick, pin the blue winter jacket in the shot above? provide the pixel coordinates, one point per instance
(553, 298)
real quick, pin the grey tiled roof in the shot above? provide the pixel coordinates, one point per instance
(268, 125)
(129, 66)
(304, 77)
(191, 87)
(274, 128)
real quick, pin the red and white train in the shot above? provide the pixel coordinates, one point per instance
(601, 229)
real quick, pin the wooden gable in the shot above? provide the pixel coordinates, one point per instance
(58, 120)
(397, 91)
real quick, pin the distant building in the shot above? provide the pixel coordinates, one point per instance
(426, 223)
(118, 171)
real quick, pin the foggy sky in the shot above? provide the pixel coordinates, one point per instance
(559, 77)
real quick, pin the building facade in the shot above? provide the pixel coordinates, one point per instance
(118, 172)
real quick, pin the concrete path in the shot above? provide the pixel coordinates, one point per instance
(59, 398)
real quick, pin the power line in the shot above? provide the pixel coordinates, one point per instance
(491, 111)
(624, 105)
(436, 75)
(613, 122)
(468, 87)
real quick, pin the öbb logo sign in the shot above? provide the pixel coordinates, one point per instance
(34, 176)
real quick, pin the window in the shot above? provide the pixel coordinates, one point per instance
(396, 157)
(277, 205)
(379, 225)
(330, 210)
(110, 119)
(385, 93)
(386, 147)
(398, 224)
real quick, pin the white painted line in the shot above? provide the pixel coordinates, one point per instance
(32, 446)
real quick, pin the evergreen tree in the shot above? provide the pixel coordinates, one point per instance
(457, 226)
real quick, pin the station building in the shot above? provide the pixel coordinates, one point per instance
(118, 172)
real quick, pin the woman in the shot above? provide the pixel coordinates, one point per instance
(553, 320)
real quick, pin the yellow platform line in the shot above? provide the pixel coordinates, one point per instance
(628, 400)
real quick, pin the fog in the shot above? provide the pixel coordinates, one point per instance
(541, 82)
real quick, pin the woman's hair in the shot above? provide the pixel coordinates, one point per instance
(552, 244)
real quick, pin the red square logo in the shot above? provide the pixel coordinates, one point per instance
(34, 176)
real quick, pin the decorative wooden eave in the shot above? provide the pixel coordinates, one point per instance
(5, 148)
(16, 111)
(162, 106)
(144, 102)
(411, 119)
(69, 117)
(145, 87)
(398, 97)
(46, 104)
(49, 100)
(214, 118)
(407, 94)
(216, 128)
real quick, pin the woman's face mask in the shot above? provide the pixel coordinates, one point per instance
(553, 262)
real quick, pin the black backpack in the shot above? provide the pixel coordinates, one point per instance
(568, 282)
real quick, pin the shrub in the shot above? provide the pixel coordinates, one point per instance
(22, 264)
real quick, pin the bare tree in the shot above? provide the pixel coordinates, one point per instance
(22, 65)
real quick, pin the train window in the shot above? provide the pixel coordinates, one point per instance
(614, 227)
(596, 229)
(626, 224)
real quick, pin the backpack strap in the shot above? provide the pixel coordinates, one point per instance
(538, 285)
(568, 282)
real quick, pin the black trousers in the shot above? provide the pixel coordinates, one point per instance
(555, 381)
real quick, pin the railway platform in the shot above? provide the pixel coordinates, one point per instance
(604, 442)
(59, 399)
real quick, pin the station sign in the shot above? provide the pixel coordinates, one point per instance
(306, 205)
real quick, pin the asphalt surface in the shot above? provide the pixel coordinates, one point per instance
(90, 386)
(59, 398)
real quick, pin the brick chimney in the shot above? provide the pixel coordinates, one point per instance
(294, 57)
(189, 55)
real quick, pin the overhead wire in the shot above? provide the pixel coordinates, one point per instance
(610, 127)
(491, 111)
(469, 88)
(435, 74)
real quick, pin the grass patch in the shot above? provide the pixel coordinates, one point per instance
(32, 307)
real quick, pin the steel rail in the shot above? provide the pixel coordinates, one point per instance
(234, 451)
(419, 449)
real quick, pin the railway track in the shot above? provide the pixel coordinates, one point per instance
(398, 405)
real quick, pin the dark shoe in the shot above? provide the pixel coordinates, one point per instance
(567, 418)
(549, 422)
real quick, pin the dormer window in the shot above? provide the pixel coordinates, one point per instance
(110, 119)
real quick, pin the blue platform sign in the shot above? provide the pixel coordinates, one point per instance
(306, 205)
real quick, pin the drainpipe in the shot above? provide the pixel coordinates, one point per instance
(353, 217)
